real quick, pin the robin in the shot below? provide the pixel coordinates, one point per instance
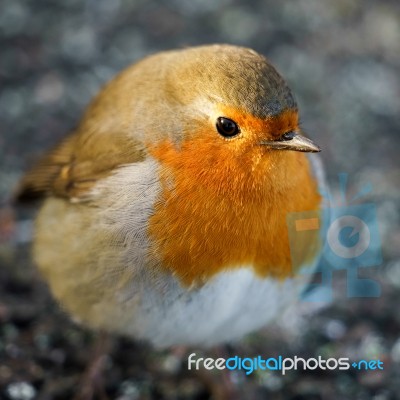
(164, 213)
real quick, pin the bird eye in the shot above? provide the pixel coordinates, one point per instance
(287, 136)
(226, 127)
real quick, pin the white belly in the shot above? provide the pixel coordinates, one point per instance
(232, 304)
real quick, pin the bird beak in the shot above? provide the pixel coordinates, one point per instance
(292, 141)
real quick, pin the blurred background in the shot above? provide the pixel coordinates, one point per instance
(342, 61)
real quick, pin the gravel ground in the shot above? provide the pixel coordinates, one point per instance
(342, 60)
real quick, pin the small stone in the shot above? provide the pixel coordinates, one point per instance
(21, 391)
(172, 363)
(129, 391)
(392, 273)
(395, 352)
(335, 329)
(50, 89)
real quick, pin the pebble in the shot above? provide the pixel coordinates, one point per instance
(129, 390)
(335, 329)
(395, 351)
(21, 391)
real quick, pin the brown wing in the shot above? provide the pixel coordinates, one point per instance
(76, 164)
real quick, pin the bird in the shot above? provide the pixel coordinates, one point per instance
(163, 215)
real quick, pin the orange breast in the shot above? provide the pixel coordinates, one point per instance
(219, 210)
